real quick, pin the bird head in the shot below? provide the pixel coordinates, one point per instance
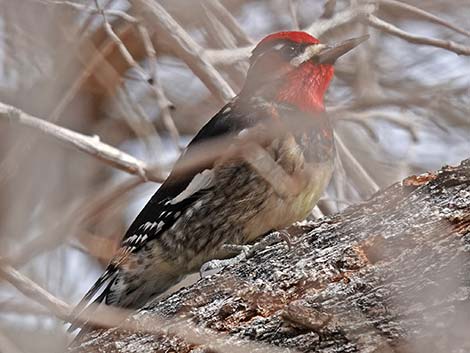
(294, 67)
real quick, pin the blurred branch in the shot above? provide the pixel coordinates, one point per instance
(34, 291)
(361, 179)
(228, 20)
(81, 214)
(317, 29)
(107, 317)
(94, 62)
(363, 119)
(423, 14)
(80, 7)
(228, 56)
(23, 307)
(137, 120)
(364, 124)
(186, 48)
(328, 8)
(162, 101)
(90, 145)
(293, 14)
(7, 345)
(397, 32)
(63, 311)
(352, 14)
(120, 45)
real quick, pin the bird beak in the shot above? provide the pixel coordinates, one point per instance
(331, 53)
(327, 54)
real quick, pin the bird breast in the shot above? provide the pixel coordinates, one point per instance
(291, 196)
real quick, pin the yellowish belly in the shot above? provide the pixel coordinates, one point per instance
(280, 213)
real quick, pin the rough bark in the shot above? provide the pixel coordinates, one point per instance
(389, 275)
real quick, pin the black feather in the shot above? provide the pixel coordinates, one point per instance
(228, 121)
(84, 308)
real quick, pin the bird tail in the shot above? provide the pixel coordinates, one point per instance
(86, 306)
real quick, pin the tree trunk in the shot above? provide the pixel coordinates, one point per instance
(389, 275)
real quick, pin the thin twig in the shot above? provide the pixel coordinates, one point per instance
(397, 32)
(120, 45)
(352, 14)
(361, 178)
(90, 145)
(363, 118)
(137, 120)
(149, 49)
(162, 101)
(293, 14)
(156, 88)
(317, 29)
(362, 123)
(9, 165)
(80, 214)
(228, 20)
(424, 14)
(80, 7)
(228, 56)
(187, 49)
(223, 37)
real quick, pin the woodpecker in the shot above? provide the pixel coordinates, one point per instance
(273, 157)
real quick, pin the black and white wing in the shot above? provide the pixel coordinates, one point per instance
(187, 180)
(179, 191)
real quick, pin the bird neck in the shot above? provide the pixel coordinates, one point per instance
(305, 87)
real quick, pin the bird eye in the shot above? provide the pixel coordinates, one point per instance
(289, 50)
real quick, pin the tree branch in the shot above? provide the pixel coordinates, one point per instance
(397, 32)
(34, 291)
(317, 29)
(90, 145)
(390, 274)
(186, 48)
(422, 14)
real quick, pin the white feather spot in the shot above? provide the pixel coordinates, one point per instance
(131, 239)
(308, 53)
(200, 181)
(243, 133)
(160, 225)
(147, 225)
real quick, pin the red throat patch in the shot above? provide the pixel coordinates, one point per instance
(305, 87)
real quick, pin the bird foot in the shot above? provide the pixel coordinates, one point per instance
(246, 251)
(217, 264)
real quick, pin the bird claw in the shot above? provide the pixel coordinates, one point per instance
(218, 264)
(274, 238)
(246, 251)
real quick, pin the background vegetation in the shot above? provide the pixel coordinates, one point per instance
(97, 98)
